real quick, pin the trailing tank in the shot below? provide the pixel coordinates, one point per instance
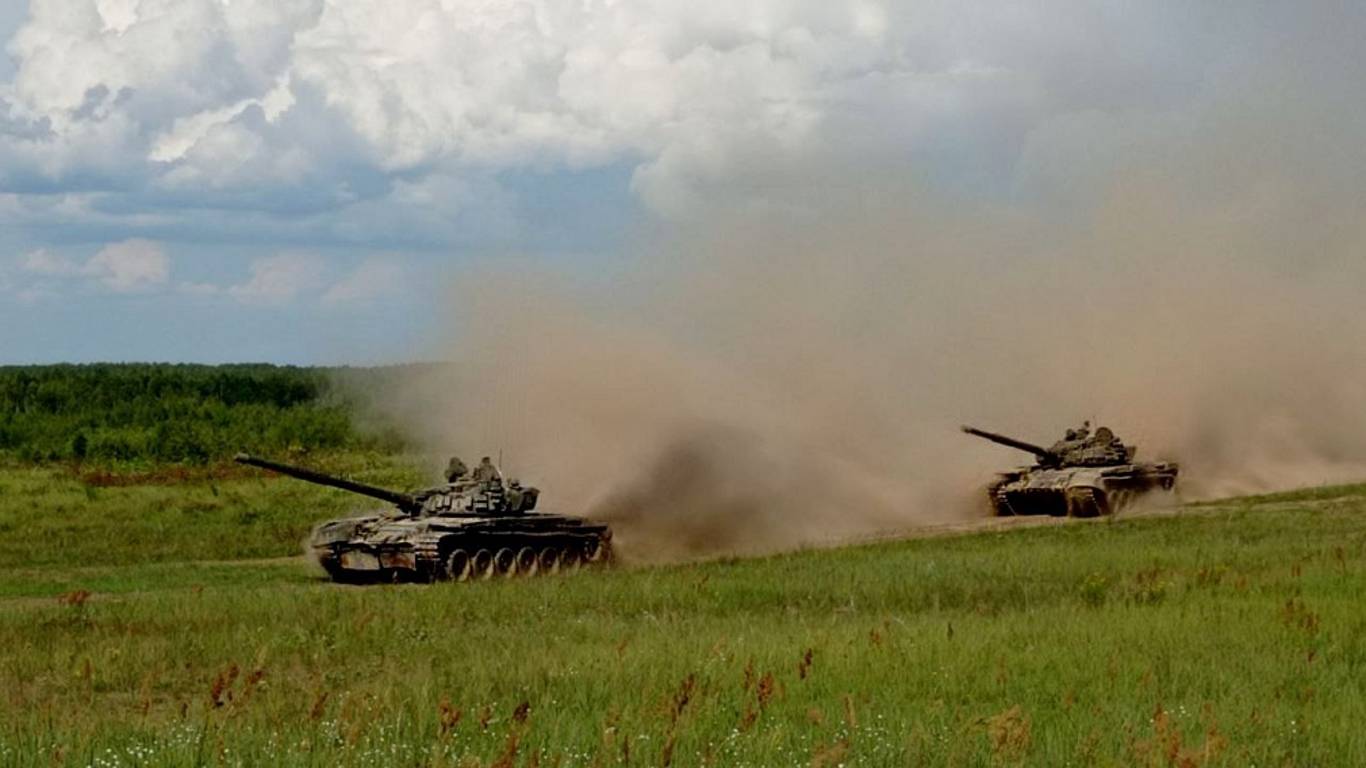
(1086, 474)
(475, 526)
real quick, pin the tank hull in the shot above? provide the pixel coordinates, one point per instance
(1079, 491)
(438, 548)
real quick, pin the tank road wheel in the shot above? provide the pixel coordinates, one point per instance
(1119, 500)
(340, 575)
(595, 551)
(481, 566)
(332, 565)
(459, 565)
(570, 560)
(1102, 503)
(548, 560)
(527, 562)
(505, 562)
(1086, 502)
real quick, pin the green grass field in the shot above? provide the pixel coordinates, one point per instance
(170, 622)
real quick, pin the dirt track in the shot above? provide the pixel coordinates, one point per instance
(987, 524)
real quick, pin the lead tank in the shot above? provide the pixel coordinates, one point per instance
(476, 526)
(1085, 474)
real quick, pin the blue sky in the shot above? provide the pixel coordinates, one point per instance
(309, 180)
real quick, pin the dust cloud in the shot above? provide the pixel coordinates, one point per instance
(805, 387)
(770, 376)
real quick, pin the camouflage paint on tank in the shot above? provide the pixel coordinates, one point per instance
(476, 525)
(1083, 475)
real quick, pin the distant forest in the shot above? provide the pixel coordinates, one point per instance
(114, 413)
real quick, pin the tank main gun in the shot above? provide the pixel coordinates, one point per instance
(404, 501)
(1046, 457)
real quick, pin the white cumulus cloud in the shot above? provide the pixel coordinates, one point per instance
(220, 94)
(280, 278)
(372, 280)
(48, 264)
(129, 266)
(325, 104)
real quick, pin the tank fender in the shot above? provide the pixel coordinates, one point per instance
(336, 531)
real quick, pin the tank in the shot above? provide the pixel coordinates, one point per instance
(476, 526)
(1086, 474)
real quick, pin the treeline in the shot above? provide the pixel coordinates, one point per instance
(179, 413)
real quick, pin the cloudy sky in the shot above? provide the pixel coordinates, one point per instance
(304, 180)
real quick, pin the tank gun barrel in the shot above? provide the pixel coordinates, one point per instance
(406, 502)
(1045, 456)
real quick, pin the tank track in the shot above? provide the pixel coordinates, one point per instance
(480, 558)
(1076, 502)
(1087, 502)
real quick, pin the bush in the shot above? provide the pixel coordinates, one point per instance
(1095, 589)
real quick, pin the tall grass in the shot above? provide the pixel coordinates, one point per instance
(1235, 636)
